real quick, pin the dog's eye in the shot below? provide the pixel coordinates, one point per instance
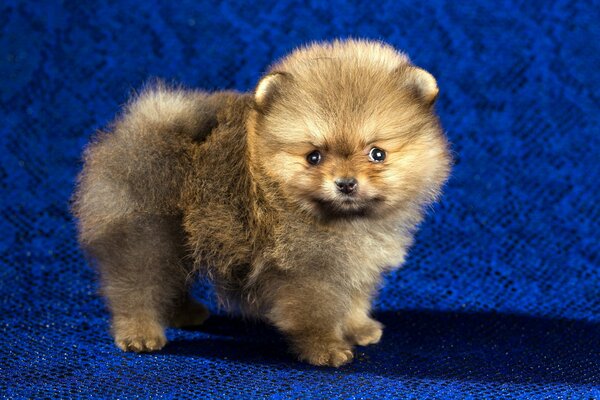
(314, 158)
(376, 155)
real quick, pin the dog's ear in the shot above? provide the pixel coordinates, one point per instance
(269, 87)
(421, 82)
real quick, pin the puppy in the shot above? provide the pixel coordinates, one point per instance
(293, 199)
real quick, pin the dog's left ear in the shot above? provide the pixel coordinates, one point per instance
(268, 89)
(420, 81)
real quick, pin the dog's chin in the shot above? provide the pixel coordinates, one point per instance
(344, 209)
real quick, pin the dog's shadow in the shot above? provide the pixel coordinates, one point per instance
(470, 347)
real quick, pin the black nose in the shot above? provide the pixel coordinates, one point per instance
(346, 185)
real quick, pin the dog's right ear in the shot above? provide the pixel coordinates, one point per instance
(421, 82)
(268, 89)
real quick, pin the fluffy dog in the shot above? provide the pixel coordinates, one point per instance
(293, 199)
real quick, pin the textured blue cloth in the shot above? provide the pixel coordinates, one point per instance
(500, 297)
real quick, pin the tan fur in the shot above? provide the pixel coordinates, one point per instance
(220, 183)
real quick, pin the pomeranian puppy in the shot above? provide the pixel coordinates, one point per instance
(293, 199)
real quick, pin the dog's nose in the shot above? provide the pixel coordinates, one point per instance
(346, 185)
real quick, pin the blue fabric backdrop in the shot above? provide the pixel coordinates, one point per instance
(500, 297)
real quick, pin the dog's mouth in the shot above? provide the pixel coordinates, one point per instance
(346, 207)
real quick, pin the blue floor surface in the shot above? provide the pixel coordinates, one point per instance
(499, 298)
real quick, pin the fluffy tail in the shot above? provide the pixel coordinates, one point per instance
(139, 164)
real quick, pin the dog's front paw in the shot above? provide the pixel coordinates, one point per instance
(332, 353)
(367, 333)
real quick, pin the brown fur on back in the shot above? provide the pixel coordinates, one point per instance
(219, 183)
